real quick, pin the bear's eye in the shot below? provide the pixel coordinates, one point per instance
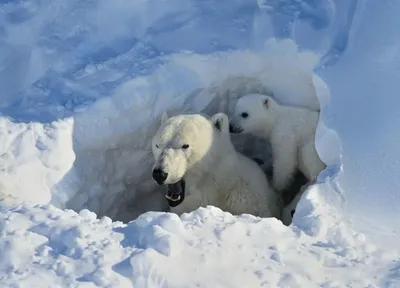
(157, 146)
(185, 146)
(244, 115)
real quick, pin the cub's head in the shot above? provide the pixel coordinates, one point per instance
(253, 113)
(182, 143)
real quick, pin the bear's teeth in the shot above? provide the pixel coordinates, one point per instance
(173, 199)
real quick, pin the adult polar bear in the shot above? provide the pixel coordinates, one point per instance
(291, 132)
(195, 158)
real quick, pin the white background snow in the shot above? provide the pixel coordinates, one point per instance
(82, 86)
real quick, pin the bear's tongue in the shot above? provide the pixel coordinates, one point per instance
(176, 193)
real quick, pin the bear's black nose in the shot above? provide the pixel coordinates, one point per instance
(159, 176)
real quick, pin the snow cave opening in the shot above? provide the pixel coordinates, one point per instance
(111, 175)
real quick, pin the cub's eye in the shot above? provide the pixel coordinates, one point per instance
(157, 146)
(185, 146)
(244, 115)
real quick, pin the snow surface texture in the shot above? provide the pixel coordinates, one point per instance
(83, 86)
(47, 247)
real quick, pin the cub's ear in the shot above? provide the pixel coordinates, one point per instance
(221, 122)
(164, 117)
(268, 101)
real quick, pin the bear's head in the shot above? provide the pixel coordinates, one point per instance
(184, 143)
(253, 114)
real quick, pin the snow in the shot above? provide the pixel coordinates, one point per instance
(368, 128)
(83, 87)
(205, 248)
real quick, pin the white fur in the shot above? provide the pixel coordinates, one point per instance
(215, 173)
(290, 130)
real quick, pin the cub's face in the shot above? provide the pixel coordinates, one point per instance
(251, 114)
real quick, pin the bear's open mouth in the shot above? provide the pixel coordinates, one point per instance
(176, 193)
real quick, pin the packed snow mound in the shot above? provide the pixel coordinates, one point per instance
(33, 158)
(46, 247)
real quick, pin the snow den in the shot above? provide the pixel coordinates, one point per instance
(111, 173)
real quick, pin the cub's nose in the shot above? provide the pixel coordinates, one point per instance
(159, 176)
(231, 129)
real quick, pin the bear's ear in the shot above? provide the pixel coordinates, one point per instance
(221, 122)
(164, 117)
(266, 103)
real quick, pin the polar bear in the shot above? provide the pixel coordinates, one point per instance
(195, 158)
(291, 132)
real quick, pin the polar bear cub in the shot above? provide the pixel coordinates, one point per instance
(195, 158)
(290, 130)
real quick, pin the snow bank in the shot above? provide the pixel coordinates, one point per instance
(364, 112)
(47, 247)
(33, 158)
